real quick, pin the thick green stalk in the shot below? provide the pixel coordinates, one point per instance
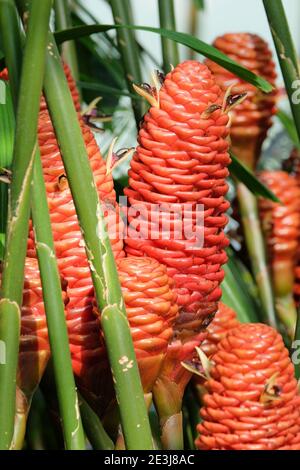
(129, 51)
(115, 325)
(257, 253)
(94, 428)
(7, 126)
(54, 307)
(63, 21)
(11, 41)
(286, 52)
(19, 206)
(50, 278)
(41, 433)
(167, 20)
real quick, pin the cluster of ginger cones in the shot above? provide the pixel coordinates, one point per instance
(171, 282)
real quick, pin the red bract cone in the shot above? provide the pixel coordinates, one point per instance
(253, 117)
(151, 310)
(84, 328)
(281, 225)
(182, 161)
(252, 401)
(34, 345)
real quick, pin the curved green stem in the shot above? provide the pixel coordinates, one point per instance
(257, 253)
(129, 51)
(19, 204)
(63, 21)
(115, 325)
(94, 428)
(286, 53)
(167, 20)
(54, 305)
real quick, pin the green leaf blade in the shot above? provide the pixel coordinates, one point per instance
(244, 175)
(182, 38)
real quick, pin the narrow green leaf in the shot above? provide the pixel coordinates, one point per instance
(244, 175)
(234, 297)
(19, 201)
(182, 38)
(107, 89)
(289, 124)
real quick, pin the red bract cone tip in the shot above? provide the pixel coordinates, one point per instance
(182, 159)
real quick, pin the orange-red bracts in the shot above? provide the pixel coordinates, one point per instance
(151, 310)
(252, 402)
(253, 117)
(182, 159)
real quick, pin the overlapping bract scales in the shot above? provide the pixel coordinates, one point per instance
(84, 328)
(182, 159)
(281, 224)
(151, 310)
(253, 117)
(224, 321)
(34, 344)
(252, 401)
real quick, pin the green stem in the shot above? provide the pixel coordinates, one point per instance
(286, 52)
(7, 127)
(257, 253)
(129, 51)
(57, 328)
(167, 19)
(54, 305)
(19, 204)
(287, 313)
(12, 43)
(94, 428)
(63, 21)
(115, 325)
(41, 433)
